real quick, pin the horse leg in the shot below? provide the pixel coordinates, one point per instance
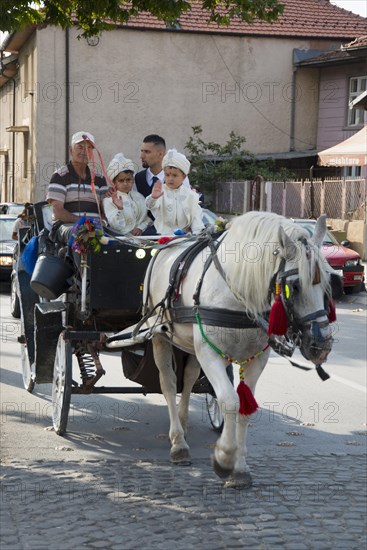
(191, 374)
(163, 358)
(241, 477)
(223, 459)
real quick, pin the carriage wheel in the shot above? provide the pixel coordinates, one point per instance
(213, 408)
(28, 370)
(14, 299)
(61, 386)
(214, 412)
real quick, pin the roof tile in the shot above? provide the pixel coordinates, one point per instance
(305, 18)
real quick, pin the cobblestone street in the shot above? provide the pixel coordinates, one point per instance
(312, 502)
(108, 484)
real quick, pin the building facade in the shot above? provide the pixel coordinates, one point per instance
(146, 78)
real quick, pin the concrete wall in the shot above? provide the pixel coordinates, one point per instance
(51, 106)
(134, 83)
(24, 158)
(354, 231)
(333, 109)
(138, 82)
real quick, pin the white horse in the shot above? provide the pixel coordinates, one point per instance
(258, 249)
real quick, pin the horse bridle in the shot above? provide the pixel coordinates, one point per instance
(288, 289)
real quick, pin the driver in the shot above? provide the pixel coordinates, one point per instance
(70, 189)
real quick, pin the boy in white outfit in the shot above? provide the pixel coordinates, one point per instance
(125, 210)
(174, 206)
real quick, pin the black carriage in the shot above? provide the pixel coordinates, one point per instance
(70, 303)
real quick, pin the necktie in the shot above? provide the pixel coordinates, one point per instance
(155, 178)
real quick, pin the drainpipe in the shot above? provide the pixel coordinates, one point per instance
(312, 195)
(13, 144)
(12, 195)
(293, 109)
(67, 94)
(13, 138)
(13, 133)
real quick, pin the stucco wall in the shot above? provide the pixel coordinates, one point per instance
(146, 82)
(51, 105)
(333, 109)
(354, 231)
(24, 158)
(134, 83)
(138, 82)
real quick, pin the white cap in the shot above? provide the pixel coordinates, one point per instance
(82, 136)
(176, 159)
(119, 164)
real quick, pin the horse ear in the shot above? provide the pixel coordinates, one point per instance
(289, 248)
(320, 230)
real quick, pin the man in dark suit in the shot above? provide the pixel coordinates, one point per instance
(152, 152)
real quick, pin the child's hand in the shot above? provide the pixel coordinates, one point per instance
(117, 201)
(157, 190)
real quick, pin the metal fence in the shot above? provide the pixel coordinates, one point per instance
(339, 198)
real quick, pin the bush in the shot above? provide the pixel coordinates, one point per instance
(212, 163)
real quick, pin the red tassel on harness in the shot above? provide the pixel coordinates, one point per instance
(278, 322)
(332, 311)
(248, 404)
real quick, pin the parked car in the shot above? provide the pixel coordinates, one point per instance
(11, 208)
(208, 217)
(7, 245)
(345, 261)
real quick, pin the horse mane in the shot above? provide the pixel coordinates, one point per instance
(249, 263)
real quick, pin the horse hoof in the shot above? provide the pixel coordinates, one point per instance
(239, 480)
(221, 472)
(181, 456)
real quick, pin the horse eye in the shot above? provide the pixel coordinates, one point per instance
(296, 288)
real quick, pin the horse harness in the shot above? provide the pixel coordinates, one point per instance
(220, 317)
(210, 316)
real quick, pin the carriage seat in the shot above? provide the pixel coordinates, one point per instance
(43, 215)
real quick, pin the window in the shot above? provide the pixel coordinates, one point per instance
(357, 85)
(352, 171)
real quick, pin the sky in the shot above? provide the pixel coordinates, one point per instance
(356, 6)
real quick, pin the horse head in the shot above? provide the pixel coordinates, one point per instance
(303, 283)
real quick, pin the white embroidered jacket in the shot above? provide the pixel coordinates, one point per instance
(132, 216)
(176, 209)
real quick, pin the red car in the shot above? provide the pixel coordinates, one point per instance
(346, 262)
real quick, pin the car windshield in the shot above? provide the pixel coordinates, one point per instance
(15, 209)
(208, 217)
(329, 239)
(6, 229)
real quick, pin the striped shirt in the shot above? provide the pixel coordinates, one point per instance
(75, 194)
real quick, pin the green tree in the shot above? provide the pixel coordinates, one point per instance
(95, 16)
(212, 163)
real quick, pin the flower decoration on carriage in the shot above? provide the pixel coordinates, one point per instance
(221, 224)
(87, 235)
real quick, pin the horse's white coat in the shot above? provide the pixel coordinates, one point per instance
(246, 256)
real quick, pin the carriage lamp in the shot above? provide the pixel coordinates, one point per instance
(6, 260)
(154, 251)
(140, 253)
